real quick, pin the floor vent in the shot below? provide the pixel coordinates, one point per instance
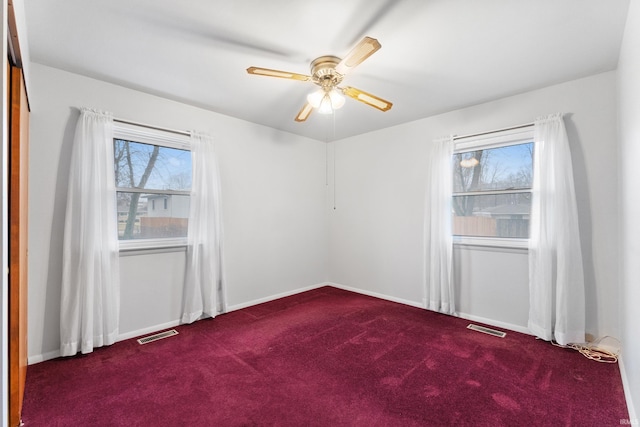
(158, 336)
(487, 330)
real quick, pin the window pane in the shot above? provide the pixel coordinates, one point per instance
(152, 216)
(502, 215)
(500, 168)
(139, 165)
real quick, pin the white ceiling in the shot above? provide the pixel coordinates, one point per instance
(436, 56)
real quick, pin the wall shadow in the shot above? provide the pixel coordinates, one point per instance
(54, 267)
(585, 225)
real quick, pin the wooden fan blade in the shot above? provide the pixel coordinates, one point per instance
(359, 53)
(277, 73)
(367, 98)
(304, 113)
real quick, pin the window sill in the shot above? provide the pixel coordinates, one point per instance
(491, 242)
(151, 246)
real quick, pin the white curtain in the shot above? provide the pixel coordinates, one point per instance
(90, 275)
(439, 293)
(204, 292)
(556, 280)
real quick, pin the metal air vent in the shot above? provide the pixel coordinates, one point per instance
(158, 336)
(485, 330)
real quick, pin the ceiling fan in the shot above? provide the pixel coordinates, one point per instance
(327, 72)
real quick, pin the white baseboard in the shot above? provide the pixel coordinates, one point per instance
(156, 328)
(376, 295)
(124, 336)
(633, 415)
(274, 297)
(495, 323)
(43, 357)
(149, 330)
(491, 322)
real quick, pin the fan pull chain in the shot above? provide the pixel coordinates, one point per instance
(334, 160)
(326, 163)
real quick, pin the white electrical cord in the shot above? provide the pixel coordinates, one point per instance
(605, 349)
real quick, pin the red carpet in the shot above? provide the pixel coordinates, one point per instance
(326, 358)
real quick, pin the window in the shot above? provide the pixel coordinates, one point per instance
(153, 185)
(492, 179)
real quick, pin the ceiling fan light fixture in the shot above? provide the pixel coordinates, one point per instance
(325, 105)
(337, 100)
(315, 98)
(326, 101)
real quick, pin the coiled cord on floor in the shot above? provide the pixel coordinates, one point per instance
(605, 349)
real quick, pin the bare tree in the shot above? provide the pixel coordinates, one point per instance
(125, 162)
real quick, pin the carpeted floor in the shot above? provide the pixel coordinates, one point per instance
(327, 357)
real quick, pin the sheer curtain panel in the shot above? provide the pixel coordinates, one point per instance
(556, 278)
(204, 292)
(439, 293)
(90, 275)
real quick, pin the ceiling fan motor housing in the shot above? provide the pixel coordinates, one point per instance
(323, 72)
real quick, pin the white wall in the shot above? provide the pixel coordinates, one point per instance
(273, 189)
(629, 112)
(376, 230)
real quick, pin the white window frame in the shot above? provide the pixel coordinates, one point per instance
(489, 140)
(129, 132)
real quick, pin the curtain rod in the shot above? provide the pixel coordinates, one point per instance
(131, 122)
(526, 125)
